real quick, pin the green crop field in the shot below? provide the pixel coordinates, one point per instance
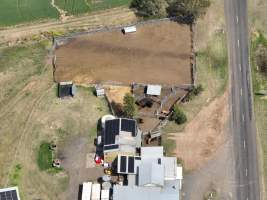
(13, 12)
(104, 4)
(74, 7)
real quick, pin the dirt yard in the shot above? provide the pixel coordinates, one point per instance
(78, 160)
(203, 136)
(156, 53)
(117, 93)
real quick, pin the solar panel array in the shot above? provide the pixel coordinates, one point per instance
(129, 125)
(9, 195)
(112, 128)
(126, 164)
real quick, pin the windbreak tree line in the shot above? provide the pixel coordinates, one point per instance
(184, 11)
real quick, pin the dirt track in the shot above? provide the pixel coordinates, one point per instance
(115, 16)
(156, 53)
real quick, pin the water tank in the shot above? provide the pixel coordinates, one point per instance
(106, 185)
(106, 118)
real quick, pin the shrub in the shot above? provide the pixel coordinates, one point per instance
(178, 115)
(187, 11)
(129, 107)
(261, 58)
(197, 90)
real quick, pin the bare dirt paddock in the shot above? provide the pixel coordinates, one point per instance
(157, 53)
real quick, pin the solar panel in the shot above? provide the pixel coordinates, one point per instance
(131, 164)
(112, 128)
(9, 195)
(129, 125)
(64, 90)
(109, 147)
(123, 164)
(137, 158)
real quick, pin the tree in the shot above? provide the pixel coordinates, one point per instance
(178, 115)
(187, 11)
(261, 58)
(129, 107)
(150, 8)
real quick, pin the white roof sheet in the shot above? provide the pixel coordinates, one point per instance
(86, 194)
(153, 90)
(179, 173)
(152, 152)
(129, 29)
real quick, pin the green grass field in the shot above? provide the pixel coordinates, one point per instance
(13, 12)
(74, 7)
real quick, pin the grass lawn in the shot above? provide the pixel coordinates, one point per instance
(45, 156)
(75, 7)
(260, 104)
(13, 12)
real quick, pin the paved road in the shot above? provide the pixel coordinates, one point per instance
(243, 125)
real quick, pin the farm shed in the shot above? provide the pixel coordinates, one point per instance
(66, 89)
(154, 90)
(129, 29)
(100, 91)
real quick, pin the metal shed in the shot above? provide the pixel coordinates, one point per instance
(154, 90)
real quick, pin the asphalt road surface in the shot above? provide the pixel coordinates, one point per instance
(243, 124)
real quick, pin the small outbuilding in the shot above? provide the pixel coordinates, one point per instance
(66, 89)
(99, 91)
(154, 90)
(129, 29)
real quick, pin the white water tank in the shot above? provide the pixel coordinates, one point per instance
(106, 118)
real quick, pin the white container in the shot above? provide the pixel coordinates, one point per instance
(104, 194)
(96, 191)
(86, 192)
(129, 29)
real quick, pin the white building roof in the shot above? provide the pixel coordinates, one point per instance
(170, 191)
(153, 90)
(87, 187)
(152, 152)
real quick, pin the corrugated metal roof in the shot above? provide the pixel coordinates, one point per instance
(152, 152)
(153, 90)
(170, 191)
